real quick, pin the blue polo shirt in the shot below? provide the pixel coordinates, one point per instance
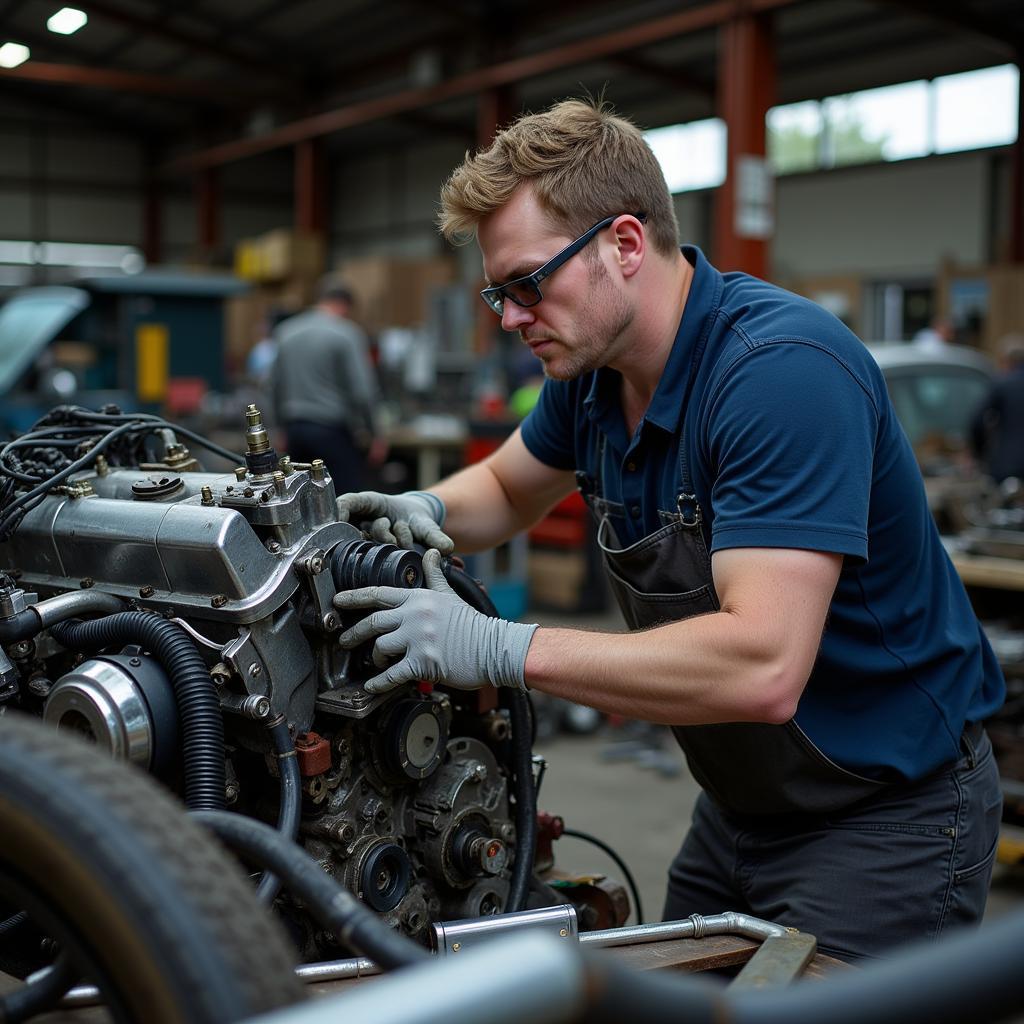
(792, 442)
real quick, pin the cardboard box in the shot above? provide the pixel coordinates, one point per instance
(395, 293)
(281, 255)
(556, 578)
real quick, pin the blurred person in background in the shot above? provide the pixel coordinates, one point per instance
(997, 430)
(325, 392)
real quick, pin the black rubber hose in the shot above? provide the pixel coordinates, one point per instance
(521, 761)
(20, 626)
(971, 976)
(623, 867)
(9, 924)
(35, 997)
(333, 906)
(202, 726)
(289, 813)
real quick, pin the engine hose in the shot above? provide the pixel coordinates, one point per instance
(521, 761)
(9, 924)
(290, 812)
(333, 906)
(39, 995)
(202, 727)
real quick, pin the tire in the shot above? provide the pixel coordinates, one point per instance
(145, 903)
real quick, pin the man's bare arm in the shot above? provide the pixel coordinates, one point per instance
(492, 500)
(748, 662)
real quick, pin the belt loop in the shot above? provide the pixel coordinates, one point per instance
(967, 742)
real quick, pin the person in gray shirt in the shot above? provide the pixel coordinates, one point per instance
(324, 386)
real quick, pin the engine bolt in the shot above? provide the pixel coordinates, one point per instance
(207, 494)
(40, 686)
(273, 546)
(231, 792)
(87, 583)
(285, 462)
(256, 708)
(255, 669)
(456, 946)
(146, 591)
(279, 482)
(102, 466)
(218, 600)
(240, 472)
(314, 564)
(248, 492)
(331, 621)
(563, 932)
(316, 469)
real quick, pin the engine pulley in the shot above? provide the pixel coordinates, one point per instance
(123, 703)
(414, 738)
(384, 876)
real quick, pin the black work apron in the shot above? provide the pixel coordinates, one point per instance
(746, 767)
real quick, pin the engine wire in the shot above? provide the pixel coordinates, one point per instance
(37, 459)
(630, 881)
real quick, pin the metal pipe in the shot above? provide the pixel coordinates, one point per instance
(73, 603)
(694, 927)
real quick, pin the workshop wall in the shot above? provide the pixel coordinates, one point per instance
(898, 218)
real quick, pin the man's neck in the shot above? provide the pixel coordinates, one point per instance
(653, 331)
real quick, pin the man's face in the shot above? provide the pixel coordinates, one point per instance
(575, 328)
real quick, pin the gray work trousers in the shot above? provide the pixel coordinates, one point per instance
(907, 865)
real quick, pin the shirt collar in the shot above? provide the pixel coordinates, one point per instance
(699, 313)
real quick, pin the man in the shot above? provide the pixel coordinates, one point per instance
(764, 527)
(997, 430)
(325, 388)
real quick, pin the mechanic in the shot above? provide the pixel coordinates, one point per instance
(764, 528)
(324, 387)
(997, 428)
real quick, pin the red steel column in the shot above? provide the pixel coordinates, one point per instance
(208, 210)
(743, 214)
(152, 210)
(311, 186)
(495, 109)
(1017, 184)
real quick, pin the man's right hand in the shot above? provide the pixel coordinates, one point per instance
(402, 519)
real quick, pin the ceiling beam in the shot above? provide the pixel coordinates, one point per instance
(189, 40)
(988, 30)
(693, 19)
(668, 76)
(127, 81)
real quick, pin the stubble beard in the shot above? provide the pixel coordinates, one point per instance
(602, 322)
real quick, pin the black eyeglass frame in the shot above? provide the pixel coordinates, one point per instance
(494, 296)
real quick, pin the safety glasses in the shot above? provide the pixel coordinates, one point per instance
(525, 291)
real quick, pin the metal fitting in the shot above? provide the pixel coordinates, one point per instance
(314, 563)
(317, 469)
(256, 439)
(285, 462)
(279, 483)
(240, 473)
(218, 600)
(207, 494)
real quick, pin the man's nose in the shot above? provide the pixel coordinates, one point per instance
(514, 317)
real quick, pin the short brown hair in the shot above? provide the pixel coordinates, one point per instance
(584, 162)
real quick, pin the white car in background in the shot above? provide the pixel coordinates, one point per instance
(935, 390)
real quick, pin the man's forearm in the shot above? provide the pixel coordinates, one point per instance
(702, 670)
(478, 514)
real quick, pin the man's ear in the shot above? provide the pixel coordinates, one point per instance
(630, 244)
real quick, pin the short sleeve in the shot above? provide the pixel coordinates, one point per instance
(548, 430)
(791, 435)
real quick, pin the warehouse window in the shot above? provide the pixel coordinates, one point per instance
(691, 155)
(972, 110)
(877, 124)
(976, 109)
(81, 256)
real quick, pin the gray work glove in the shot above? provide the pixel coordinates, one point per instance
(402, 519)
(436, 635)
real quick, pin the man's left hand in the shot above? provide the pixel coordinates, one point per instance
(435, 636)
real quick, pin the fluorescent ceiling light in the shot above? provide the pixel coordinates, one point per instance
(13, 54)
(67, 20)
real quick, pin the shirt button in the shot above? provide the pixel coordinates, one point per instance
(631, 466)
(634, 511)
